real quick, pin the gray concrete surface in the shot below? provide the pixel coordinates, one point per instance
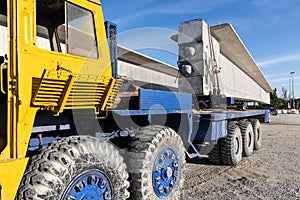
(273, 172)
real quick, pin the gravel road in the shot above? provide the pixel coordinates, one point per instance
(273, 172)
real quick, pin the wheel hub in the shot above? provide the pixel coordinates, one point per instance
(237, 146)
(168, 172)
(257, 135)
(91, 184)
(165, 173)
(249, 139)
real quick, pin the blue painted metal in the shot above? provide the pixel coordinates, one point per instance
(153, 102)
(267, 116)
(111, 34)
(209, 130)
(191, 136)
(157, 100)
(202, 127)
(149, 112)
(230, 101)
(165, 172)
(213, 126)
(228, 115)
(91, 184)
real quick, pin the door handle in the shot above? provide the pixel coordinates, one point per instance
(3, 66)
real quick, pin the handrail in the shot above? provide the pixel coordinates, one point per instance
(1, 77)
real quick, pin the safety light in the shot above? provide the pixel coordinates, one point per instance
(189, 51)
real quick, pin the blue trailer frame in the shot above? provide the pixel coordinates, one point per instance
(204, 127)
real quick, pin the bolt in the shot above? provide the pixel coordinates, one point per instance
(107, 195)
(175, 164)
(172, 183)
(162, 158)
(167, 190)
(103, 184)
(175, 174)
(158, 168)
(160, 188)
(173, 157)
(157, 180)
(167, 154)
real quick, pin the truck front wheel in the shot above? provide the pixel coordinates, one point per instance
(156, 160)
(76, 168)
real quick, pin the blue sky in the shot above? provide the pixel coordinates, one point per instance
(270, 29)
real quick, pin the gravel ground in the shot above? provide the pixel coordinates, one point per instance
(273, 172)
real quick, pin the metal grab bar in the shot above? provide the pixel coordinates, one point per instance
(3, 66)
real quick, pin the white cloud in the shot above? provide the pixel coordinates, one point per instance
(283, 80)
(172, 8)
(277, 60)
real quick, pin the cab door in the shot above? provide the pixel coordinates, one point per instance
(5, 149)
(61, 44)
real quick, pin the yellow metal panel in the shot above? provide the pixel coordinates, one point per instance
(108, 94)
(31, 63)
(11, 173)
(65, 95)
(57, 90)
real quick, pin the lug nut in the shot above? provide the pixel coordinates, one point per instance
(160, 188)
(175, 164)
(167, 190)
(172, 183)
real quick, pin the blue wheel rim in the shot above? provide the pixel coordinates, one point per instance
(237, 145)
(91, 184)
(166, 171)
(249, 139)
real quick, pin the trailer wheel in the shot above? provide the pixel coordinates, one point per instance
(248, 137)
(232, 147)
(76, 168)
(214, 155)
(156, 160)
(257, 133)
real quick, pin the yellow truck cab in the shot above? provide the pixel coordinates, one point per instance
(55, 58)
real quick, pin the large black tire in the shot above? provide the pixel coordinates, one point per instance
(257, 133)
(214, 155)
(78, 166)
(232, 147)
(156, 162)
(248, 137)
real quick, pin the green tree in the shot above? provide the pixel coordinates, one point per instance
(274, 99)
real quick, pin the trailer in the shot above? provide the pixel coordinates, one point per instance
(73, 128)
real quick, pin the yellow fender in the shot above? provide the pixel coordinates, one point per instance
(11, 173)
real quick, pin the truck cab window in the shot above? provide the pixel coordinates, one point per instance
(66, 28)
(81, 32)
(43, 39)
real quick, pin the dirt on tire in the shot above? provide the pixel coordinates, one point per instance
(273, 172)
